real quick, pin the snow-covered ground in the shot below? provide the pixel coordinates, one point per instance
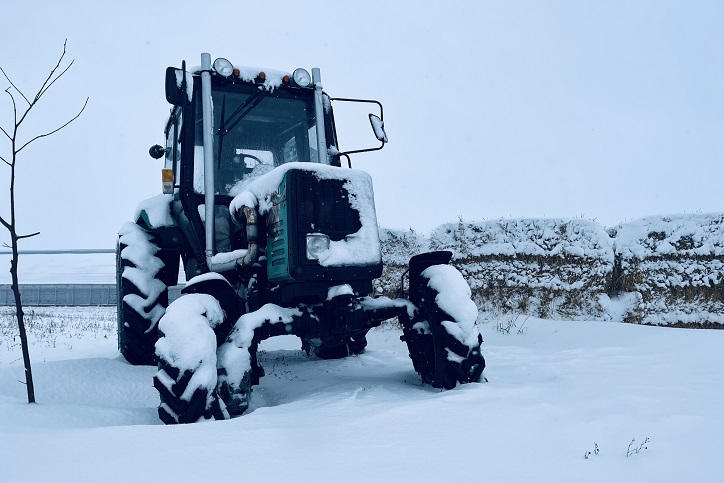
(556, 390)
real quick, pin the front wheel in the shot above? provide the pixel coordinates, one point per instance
(195, 378)
(186, 350)
(442, 338)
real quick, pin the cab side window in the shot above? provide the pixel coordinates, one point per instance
(173, 145)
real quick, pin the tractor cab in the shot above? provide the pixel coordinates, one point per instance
(244, 123)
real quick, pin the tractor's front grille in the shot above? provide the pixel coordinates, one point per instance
(305, 205)
(324, 207)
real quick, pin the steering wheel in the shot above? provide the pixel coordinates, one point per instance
(258, 161)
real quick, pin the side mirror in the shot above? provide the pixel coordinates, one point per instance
(175, 86)
(157, 151)
(378, 126)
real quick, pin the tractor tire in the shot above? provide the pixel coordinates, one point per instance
(445, 350)
(186, 380)
(191, 380)
(178, 408)
(141, 267)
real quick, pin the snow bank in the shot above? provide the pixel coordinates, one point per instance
(553, 392)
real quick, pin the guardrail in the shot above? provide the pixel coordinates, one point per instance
(68, 294)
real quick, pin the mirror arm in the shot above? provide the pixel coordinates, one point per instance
(382, 118)
(370, 101)
(347, 153)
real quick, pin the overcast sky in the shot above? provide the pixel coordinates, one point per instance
(604, 110)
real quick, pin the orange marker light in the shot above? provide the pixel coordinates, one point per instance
(262, 75)
(167, 181)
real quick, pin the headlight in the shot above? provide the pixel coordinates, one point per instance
(223, 67)
(301, 77)
(316, 245)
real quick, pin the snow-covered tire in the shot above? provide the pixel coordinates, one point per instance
(442, 339)
(142, 294)
(186, 350)
(200, 375)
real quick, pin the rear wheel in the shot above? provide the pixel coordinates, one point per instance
(141, 267)
(442, 339)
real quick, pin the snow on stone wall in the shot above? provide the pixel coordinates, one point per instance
(550, 268)
(675, 266)
(666, 270)
(398, 247)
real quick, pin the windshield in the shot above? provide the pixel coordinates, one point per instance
(254, 131)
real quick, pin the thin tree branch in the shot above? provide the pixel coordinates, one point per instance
(20, 237)
(43, 91)
(14, 86)
(52, 72)
(7, 91)
(5, 161)
(55, 130)
(5, 223)
(15, 110)
(6, 133)
(43, 88)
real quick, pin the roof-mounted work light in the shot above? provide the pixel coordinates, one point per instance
(223, 67)
(301, 78)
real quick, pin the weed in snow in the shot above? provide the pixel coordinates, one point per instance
(595, 451)
(633, 449)
(51, 326)
(508, 324)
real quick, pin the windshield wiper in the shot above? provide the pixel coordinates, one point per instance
(236, 116)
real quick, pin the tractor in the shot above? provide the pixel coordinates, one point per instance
(277, 236)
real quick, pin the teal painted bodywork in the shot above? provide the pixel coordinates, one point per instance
(278, 243)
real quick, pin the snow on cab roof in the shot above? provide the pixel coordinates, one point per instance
(272, 78)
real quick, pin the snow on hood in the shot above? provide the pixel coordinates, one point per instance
(360, 248)
(684, 235)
